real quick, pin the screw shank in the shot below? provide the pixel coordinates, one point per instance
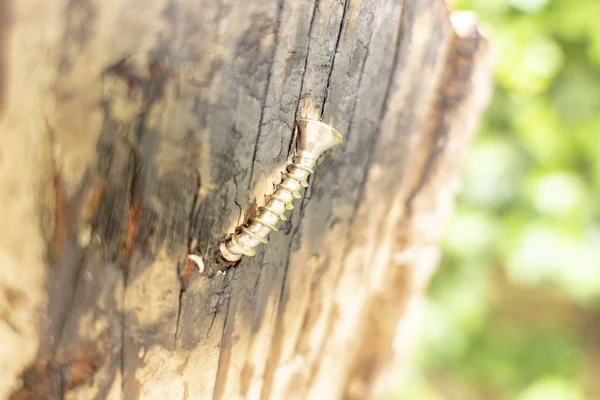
(247, 237)
(314, 137)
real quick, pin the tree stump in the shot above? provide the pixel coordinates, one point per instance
(134, 133)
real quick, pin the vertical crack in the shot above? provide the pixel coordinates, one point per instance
(335, 52)
(216, 388)
(386, 98)
(61, 237)
(152, 90)
(235, 200)
(223, 359)
(268, 83)
(188, 266)
(361, 74)
(310, 30)
(128, 242)
(219, 303)
(304, 198)
(268, 379)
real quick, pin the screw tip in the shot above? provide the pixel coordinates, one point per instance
(228, 255)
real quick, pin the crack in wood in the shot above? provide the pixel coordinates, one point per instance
(345, 4)
(222, 295)
(310, 30)
(188, 265)
(402, 28)
(263, 101)
(66, 266)
(275, 349)
(300, 99)
(360, 78)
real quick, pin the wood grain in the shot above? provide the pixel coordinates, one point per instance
(135, 133)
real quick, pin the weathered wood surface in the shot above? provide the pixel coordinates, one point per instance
(135, 132)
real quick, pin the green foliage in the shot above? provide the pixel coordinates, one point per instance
(527, 225)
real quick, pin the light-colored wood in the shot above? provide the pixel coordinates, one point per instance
(134, 133)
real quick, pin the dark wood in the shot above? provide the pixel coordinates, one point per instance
(137, 132)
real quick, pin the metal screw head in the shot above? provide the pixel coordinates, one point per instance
(316, 137)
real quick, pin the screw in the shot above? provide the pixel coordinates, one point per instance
(314, 138)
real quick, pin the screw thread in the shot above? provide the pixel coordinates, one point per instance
(246, 237)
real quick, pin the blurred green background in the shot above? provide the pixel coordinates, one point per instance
(514, 311)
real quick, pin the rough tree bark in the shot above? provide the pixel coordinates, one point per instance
(136, 132)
